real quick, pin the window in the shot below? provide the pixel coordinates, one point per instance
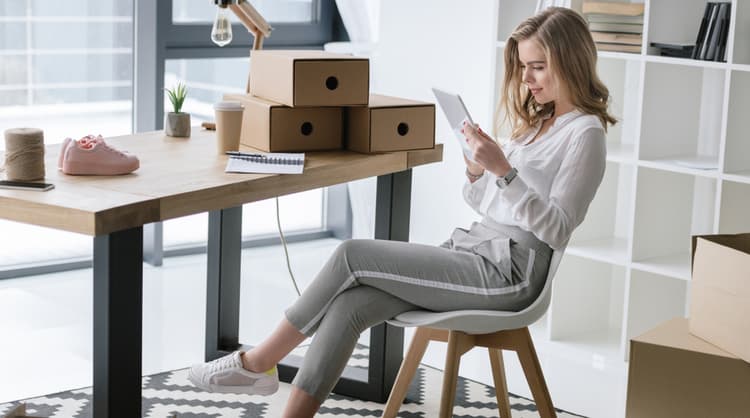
(66, 68)
(190, 11)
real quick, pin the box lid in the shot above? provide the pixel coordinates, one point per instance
(296, 55)
(379, 100)
(723, 262)
(674, 333)
(254, 99)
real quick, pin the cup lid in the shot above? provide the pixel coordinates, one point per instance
(228, 105)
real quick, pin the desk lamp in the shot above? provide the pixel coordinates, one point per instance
(221, 33)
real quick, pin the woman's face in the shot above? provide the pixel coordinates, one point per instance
(535, 71)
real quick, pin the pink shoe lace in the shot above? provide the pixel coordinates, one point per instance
(88, 142)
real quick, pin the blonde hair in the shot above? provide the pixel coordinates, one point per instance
(564, 37)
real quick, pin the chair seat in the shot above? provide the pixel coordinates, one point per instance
(484, 321)
(468, 321)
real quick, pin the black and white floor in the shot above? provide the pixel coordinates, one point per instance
(170, 394)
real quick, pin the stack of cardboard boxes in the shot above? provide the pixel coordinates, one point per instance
(700, 367)
(314, 100)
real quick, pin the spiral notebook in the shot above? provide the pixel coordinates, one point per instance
(266, 163)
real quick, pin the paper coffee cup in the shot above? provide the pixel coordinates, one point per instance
(228, 126)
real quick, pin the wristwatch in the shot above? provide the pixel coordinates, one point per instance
(504, 181)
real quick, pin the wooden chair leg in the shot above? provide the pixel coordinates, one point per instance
(458, 344)
(501, 386)
(406, 373)
(533, 371)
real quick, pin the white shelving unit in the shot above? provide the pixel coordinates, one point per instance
(678, 164)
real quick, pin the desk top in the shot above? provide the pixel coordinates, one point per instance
(178, 177)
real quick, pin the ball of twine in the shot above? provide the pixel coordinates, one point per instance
(24, 154)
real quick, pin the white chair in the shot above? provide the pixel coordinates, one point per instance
(463, 330)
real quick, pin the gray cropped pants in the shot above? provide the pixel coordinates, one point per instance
(366, 282)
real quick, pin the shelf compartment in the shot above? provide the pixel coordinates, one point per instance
(669, 209)
(511, 13)
(652, 299)
(682, 116)
(735, 205)
(594, 326)
(623, 79)
(737, 150)
(673, 21)
(604, 233)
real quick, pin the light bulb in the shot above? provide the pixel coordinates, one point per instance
(221, 33)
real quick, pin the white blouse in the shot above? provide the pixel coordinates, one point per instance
(558, 175)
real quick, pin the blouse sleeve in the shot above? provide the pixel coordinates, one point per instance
(474, 192)
(581, 171)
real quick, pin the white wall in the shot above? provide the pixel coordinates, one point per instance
(444, 43)
(448, 44)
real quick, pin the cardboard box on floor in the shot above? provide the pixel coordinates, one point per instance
(309, 78)
(274, 127)
(673, 373)
(390, 124)
(720, 292)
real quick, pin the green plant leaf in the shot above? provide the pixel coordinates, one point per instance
(177, 96)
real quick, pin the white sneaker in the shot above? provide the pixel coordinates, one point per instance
(226, 375)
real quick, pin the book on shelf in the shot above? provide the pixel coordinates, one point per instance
(715, 51)
(612, 8)
(617, 38)
(722, 48)
(605, 18)
(616, 27)
(603, 46)
(710, 43)
(674, 49)
(713, 37)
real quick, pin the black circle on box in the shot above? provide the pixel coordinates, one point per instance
(306, 128)
(332, 83)
(403, 128)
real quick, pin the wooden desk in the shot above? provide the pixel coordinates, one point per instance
(184, 176)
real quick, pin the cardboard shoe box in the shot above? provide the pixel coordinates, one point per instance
(720, 292)
(309, 78)
(390, 124)
(273, 127)
(674, 374)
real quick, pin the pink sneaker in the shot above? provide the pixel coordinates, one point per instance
(67, 141)
(63, 148)
(92, 156)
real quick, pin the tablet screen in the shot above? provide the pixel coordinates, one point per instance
(455, 111)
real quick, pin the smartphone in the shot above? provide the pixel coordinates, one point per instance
(456, 113)
(26, 185)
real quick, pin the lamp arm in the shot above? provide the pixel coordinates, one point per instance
(252, 20)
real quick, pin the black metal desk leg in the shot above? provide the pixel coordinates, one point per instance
(118, 319)
(392, 209)
(223, 291)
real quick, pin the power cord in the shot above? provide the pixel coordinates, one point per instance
(286, 252)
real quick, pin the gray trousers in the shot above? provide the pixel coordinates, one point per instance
(366, 282)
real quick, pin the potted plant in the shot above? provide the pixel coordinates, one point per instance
(177, 123)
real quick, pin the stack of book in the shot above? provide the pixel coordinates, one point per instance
(711, 42)
(615, 26)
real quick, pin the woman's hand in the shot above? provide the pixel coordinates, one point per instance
(487, 152)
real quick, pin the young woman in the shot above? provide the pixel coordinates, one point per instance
(531, 193)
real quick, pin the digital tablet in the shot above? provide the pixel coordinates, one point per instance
(456, 113)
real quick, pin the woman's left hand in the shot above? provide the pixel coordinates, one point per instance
(487, 152)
